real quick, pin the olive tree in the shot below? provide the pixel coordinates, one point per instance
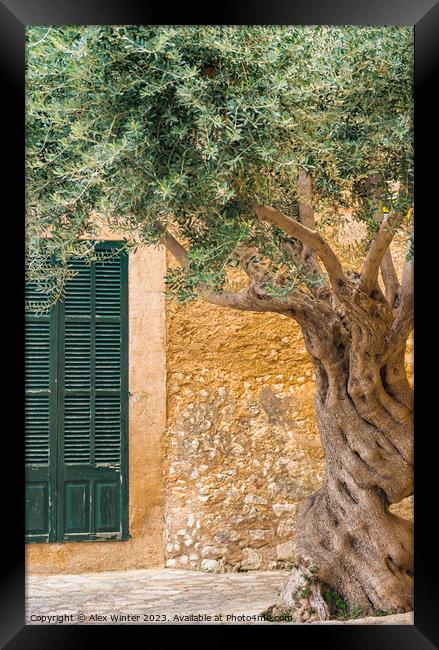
(223, 144)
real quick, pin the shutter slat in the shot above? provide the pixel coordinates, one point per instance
(37, 381)
(107, 429)
(108, 287)
(37, 416)
(81, 336)
(78, 290)
(108, 361)
(37, 355)
(77, 371)
(77, 365)
(77, 429)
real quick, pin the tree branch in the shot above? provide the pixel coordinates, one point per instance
(310, 238)
(307, 218)
(174, 247)
(390, 278)
(304, 195)
(387, 268)
(377, 250)
(246, 300)
(403, 322)
(254, 297)
(250, 263)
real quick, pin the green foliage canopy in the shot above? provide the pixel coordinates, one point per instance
(187, 127)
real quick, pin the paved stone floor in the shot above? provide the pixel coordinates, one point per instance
(156, 596)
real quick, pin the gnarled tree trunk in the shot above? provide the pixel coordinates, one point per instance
(360, 548)
(364, 413)
(346, 537)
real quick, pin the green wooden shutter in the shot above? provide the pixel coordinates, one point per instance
(40, 422)
(91, 403)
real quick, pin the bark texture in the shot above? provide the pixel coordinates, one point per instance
(364, 412)
(361, 549)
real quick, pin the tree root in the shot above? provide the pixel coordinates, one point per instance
(301, 597)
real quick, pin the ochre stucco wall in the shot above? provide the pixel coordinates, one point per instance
(147, 421)
(242, 447)
(242, 444)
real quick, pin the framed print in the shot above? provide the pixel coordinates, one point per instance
(219, 397)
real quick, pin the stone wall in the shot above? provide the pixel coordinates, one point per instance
(242, 445)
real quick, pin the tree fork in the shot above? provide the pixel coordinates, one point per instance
(346, 536)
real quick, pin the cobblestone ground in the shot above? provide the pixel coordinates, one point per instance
(158, 596)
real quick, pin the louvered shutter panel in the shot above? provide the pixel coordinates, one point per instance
(40, 421)
(77, 400)
(94, 401)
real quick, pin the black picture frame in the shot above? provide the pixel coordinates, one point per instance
(424, 15)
